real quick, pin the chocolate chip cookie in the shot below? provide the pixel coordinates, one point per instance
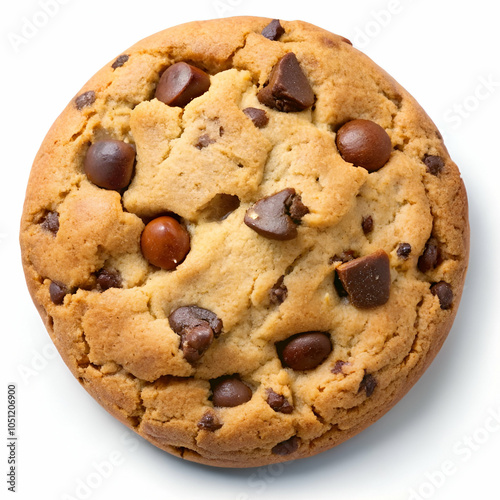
(246, 240)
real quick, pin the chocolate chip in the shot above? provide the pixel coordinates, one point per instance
(273, 30)
(204, 141)
(165, 243)
(110, 164)
(444, 294)
(305, 351)
(403, 251)
(258, 116)
(120, 61)
(364, 144)
(51, 222)
(197, 328)
(271, 216)
(367, 280)
(287, 447)
(181, 83)
(278, 402)
(434, 164)
(368, 384)
(278, 292)
(57, 292)
(85, 99)
(339, 366)
(346, 40)
(430, 257)
(367, 224)
(230, 392)
(288, 88)
(108, 278)
(209, 422)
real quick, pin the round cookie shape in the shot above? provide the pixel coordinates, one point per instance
(247, 251)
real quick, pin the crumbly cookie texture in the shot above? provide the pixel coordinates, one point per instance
(306, 240)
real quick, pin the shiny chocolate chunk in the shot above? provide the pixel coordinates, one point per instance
(287, 447)
(367, 224)
(403, 251)
(51, 222)
(444, 293)
(278, 292)
(278, 402)
(85, 99)
(273, 30)
(258, 116)
(288, 89)
(108, 278)
(434, 164)
(430, 257)
(57, 292)
(209, 422)
(181, 83)
(230, 392)
(368, 384)
(364, 144)
(272, 216)
(305, 351)
(110, 164)
(197, 328)
(165, 242)
(367, 280)
(120, 61)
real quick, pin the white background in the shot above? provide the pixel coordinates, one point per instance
(445, 52)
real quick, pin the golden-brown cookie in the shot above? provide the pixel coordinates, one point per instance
(246, 240)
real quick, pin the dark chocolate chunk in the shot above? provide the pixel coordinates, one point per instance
(367, 224)
(209, 422)
(197, 328)
(339, 365)
(85, 99)
(444, 293)
(367, 280)
(434, 164)
(403, 251)
(258, 116)
(273, 30)
(271, 217)
(364, 144)
(165, 242)
(51, 222)
(368, 384)
(430, 257)
(181, 83)
(305, 351)
(230, 392)
(120, 61)
(57, 292)
(288, 89)
(287, 447)
(108, 278)
(346, 256)
(278, 402)
(110, 164)
(278, 292)
(204, 141)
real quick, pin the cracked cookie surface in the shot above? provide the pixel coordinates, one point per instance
(246, 240)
